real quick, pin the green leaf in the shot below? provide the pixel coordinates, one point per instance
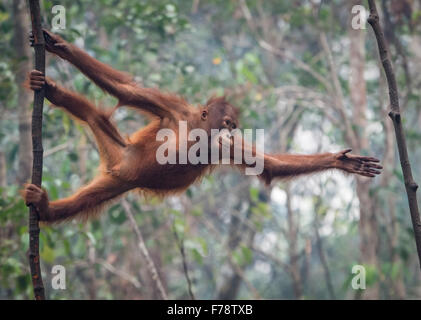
(197, 256)
(179, 225)
(47, 254)
(254, 194)
(247, 254)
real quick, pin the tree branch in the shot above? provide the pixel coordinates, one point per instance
(39, 46)
(410, 185)
(144, 251)
(180, 245)
(122, 274)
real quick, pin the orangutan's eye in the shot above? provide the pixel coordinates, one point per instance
(234, 126)
(227, 122)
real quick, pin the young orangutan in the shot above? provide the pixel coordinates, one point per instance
(131, 163)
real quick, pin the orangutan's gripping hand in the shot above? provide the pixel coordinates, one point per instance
(54, 44)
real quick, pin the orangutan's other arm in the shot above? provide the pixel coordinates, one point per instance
(117, 83)
(290, 165)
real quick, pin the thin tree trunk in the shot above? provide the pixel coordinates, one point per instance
(410, 185)
(24, 58)
(39, 45)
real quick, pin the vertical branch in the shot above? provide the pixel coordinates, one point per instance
(180, 245)
(144, 251)
(39, 46)
(410, 185)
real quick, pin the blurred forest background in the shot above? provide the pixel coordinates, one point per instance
(295, 68)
